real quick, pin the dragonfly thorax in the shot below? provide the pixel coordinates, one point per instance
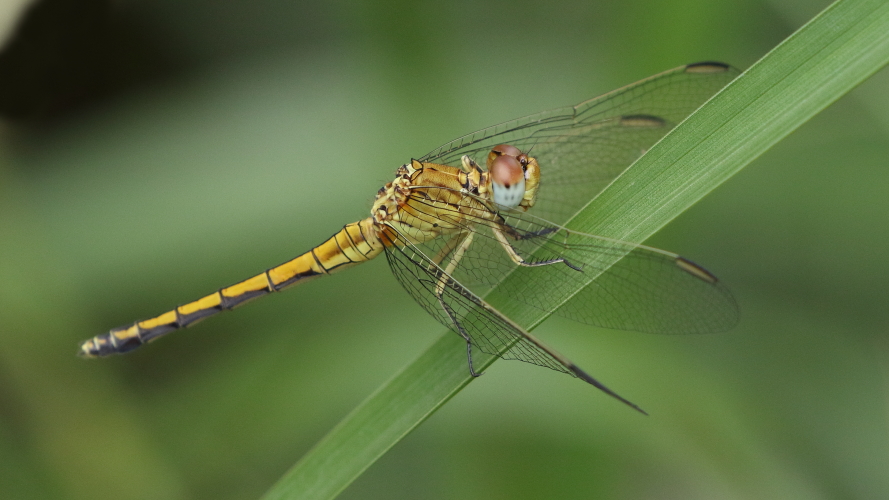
(425, 201)
(391, 196)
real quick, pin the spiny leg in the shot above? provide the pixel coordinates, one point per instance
(455, 260)
(534, 234)
(443, 280)
(462, 333)
(469, 165)
(448, 248)
(518, 259)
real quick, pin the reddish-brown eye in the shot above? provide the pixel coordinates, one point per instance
(506, 171)
(506, 149)
(502, 150)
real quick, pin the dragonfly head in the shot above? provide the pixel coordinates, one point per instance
(514, 176)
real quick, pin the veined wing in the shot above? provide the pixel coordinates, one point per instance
(464, 312)
(582, 148)
(587, 278)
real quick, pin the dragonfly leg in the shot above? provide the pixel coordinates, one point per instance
(459, 249)
(463, 334)
(458, 253)
(469, 165)
(533, 234)
(448, 248)
(518, 259)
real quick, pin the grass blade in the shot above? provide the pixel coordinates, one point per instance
(819, 63)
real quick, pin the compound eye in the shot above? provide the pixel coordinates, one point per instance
(506, 149)
(506, 171)
(507, 181)
(502, 150)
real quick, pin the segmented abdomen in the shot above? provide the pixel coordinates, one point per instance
(353, 244)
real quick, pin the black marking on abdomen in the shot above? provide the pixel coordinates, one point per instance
(292, 281)
(148, 335)
(229, 303)
(126, 344)
(187, 319)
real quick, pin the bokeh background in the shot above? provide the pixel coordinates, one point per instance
(152, 151)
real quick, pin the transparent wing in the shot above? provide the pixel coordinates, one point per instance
(582, 148)
(587, 278)
(466, 313)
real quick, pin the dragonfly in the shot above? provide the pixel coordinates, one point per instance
(487, 211)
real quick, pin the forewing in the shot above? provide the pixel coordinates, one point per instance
(615, 284)
(582, 148)
(591, 279)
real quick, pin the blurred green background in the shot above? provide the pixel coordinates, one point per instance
(183, 146)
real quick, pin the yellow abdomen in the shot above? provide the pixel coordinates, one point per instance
(353, 244)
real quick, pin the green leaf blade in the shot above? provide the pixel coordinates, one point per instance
(836, 51)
